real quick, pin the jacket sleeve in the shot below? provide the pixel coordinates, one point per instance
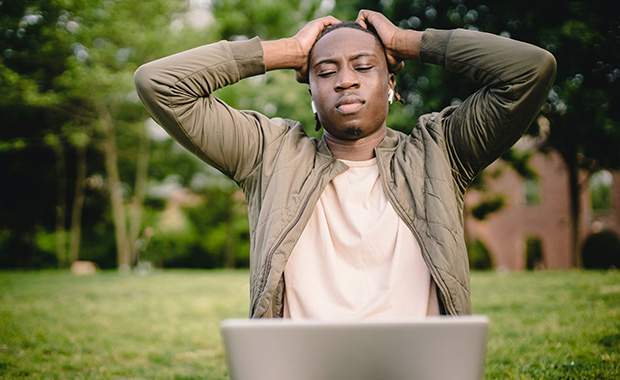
(176, 91)
(517, 78)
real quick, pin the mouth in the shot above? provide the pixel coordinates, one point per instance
(349, 105)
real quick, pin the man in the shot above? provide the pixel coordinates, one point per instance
(366, 222)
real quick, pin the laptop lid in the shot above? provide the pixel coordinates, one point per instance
(435, 348)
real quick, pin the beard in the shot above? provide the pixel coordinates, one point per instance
(353, 131)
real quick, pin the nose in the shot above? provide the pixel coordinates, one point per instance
(347, 79)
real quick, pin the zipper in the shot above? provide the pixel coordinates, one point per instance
(443, 289)
(288, 230)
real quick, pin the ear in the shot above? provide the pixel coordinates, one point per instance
(312, 103)
(392, 81)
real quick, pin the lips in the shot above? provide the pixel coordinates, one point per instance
(349, 105)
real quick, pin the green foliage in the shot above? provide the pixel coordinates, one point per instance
(583, 104)
(223, 232)
(519, 162)
(479, 255)
(167, 158)
(98, 242)
(210, 229)
(266, 19)
(488, 205)
(175, 247)
(61, 63)
(213, 234)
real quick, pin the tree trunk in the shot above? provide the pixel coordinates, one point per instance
(137, 201)
(78, 203)
(123, 252)
(61, 205)
(570, 159)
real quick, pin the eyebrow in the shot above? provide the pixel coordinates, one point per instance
(353, 58)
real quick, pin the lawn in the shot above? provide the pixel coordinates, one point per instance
(54, 325)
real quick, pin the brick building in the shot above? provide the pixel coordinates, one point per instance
(538, 211)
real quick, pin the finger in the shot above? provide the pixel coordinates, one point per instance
(362, 22)
(398, 67)
(301, 75)
(331, 20)
(395, 65)
(362, 16)
(314, 29)
(300, 78)
(328, 21)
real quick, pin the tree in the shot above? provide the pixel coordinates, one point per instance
(32, 130)
(67, 70)
(73, 123)
(583, 111)
(111, 40)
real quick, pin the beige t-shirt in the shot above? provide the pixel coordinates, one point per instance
(356, 258)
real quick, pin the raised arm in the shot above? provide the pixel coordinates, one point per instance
(176, 91)
(516, 76)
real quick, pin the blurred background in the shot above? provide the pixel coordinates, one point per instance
(86, 175)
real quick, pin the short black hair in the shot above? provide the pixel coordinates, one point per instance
(351, 25)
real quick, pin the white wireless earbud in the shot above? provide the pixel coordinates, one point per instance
(313, 106)
(390, 96)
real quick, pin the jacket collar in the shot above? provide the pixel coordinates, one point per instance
(389, 142)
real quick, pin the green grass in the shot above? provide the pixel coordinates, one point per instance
(544, 325)
(551, 325)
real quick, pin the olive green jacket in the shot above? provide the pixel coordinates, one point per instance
(283, 172)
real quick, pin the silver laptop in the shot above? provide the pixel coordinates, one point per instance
(436, 348)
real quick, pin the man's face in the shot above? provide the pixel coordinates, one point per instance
(349, 83)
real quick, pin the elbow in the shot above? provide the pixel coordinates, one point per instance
(142, 79)
(150, 90)
(150, 85)
(546, 68)
(540, 76)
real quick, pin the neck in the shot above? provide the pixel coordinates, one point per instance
(355, 150)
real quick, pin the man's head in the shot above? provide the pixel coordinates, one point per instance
(349, 81)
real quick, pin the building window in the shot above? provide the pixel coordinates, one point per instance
(533, 253)
(600, 190)
(532, 191)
